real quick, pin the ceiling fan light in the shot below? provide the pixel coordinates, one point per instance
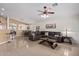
(44, 16)
(41, 15)
(47, 16)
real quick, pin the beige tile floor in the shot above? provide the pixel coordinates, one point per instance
(24, 47)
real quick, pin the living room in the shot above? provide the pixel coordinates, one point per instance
(58, 21)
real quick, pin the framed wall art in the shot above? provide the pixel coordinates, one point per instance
(50, 26)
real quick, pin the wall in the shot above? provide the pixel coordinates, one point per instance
(3, 32)
(19, 31)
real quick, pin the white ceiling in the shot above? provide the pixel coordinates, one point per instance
(28, 11)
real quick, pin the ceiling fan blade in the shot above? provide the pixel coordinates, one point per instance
(51, 12)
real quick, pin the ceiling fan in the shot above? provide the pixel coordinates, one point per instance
(45, 11)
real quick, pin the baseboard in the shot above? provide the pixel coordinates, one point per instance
(4, 42)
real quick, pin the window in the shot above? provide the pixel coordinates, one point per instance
(13, 26)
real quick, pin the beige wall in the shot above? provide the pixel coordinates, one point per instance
(3, 33)
(17, 23)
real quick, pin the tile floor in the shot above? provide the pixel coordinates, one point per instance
(24, 47)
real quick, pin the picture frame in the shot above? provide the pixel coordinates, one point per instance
(50, 26)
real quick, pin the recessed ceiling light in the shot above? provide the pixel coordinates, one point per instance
(3, 9)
